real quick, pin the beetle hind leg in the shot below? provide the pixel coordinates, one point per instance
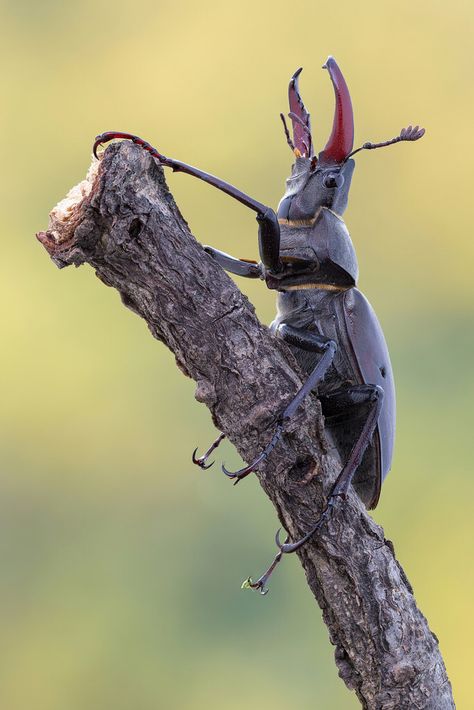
(370, 395)
(374, 398)
(260, 585)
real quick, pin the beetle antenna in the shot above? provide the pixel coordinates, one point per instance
(287, 133)
(306, 129)
(406, 134)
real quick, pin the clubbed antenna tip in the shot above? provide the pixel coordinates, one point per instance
(411, 133)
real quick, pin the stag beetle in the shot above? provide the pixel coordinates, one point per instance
(307, 256)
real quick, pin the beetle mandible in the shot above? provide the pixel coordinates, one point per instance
(307, 256)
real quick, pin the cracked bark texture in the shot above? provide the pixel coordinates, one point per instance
(123, 221)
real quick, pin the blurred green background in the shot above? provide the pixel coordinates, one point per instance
(120, 563)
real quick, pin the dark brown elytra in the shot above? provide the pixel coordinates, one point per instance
(307, 256)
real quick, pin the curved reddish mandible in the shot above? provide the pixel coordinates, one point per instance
(341, 140)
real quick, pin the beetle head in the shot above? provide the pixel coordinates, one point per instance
(311, 187)
(323, 180)
(315, 246)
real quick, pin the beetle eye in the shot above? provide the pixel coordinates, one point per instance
(333, 180)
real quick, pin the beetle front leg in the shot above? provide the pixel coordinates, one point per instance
(269, 228)
(306, 341)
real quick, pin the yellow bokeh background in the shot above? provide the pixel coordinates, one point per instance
(121, 564)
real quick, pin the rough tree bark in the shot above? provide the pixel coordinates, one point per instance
(123, 221)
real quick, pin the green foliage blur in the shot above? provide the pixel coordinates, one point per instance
(120, 563)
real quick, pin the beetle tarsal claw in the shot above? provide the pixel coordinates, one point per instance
(201, 461)
(239, 475)
(261, 584)
(258, 586)
(243, 472)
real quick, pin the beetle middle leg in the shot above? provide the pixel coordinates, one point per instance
(306, 341)
(202, 460)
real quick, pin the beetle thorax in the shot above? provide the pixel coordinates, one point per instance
(315, 246)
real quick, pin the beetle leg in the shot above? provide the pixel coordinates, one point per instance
(260, 584)
(306, 341)
(243, 472)
(240, 267)
(344, 479)
(202, 460)
(268, 229)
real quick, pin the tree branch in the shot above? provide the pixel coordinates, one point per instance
(123, 221)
